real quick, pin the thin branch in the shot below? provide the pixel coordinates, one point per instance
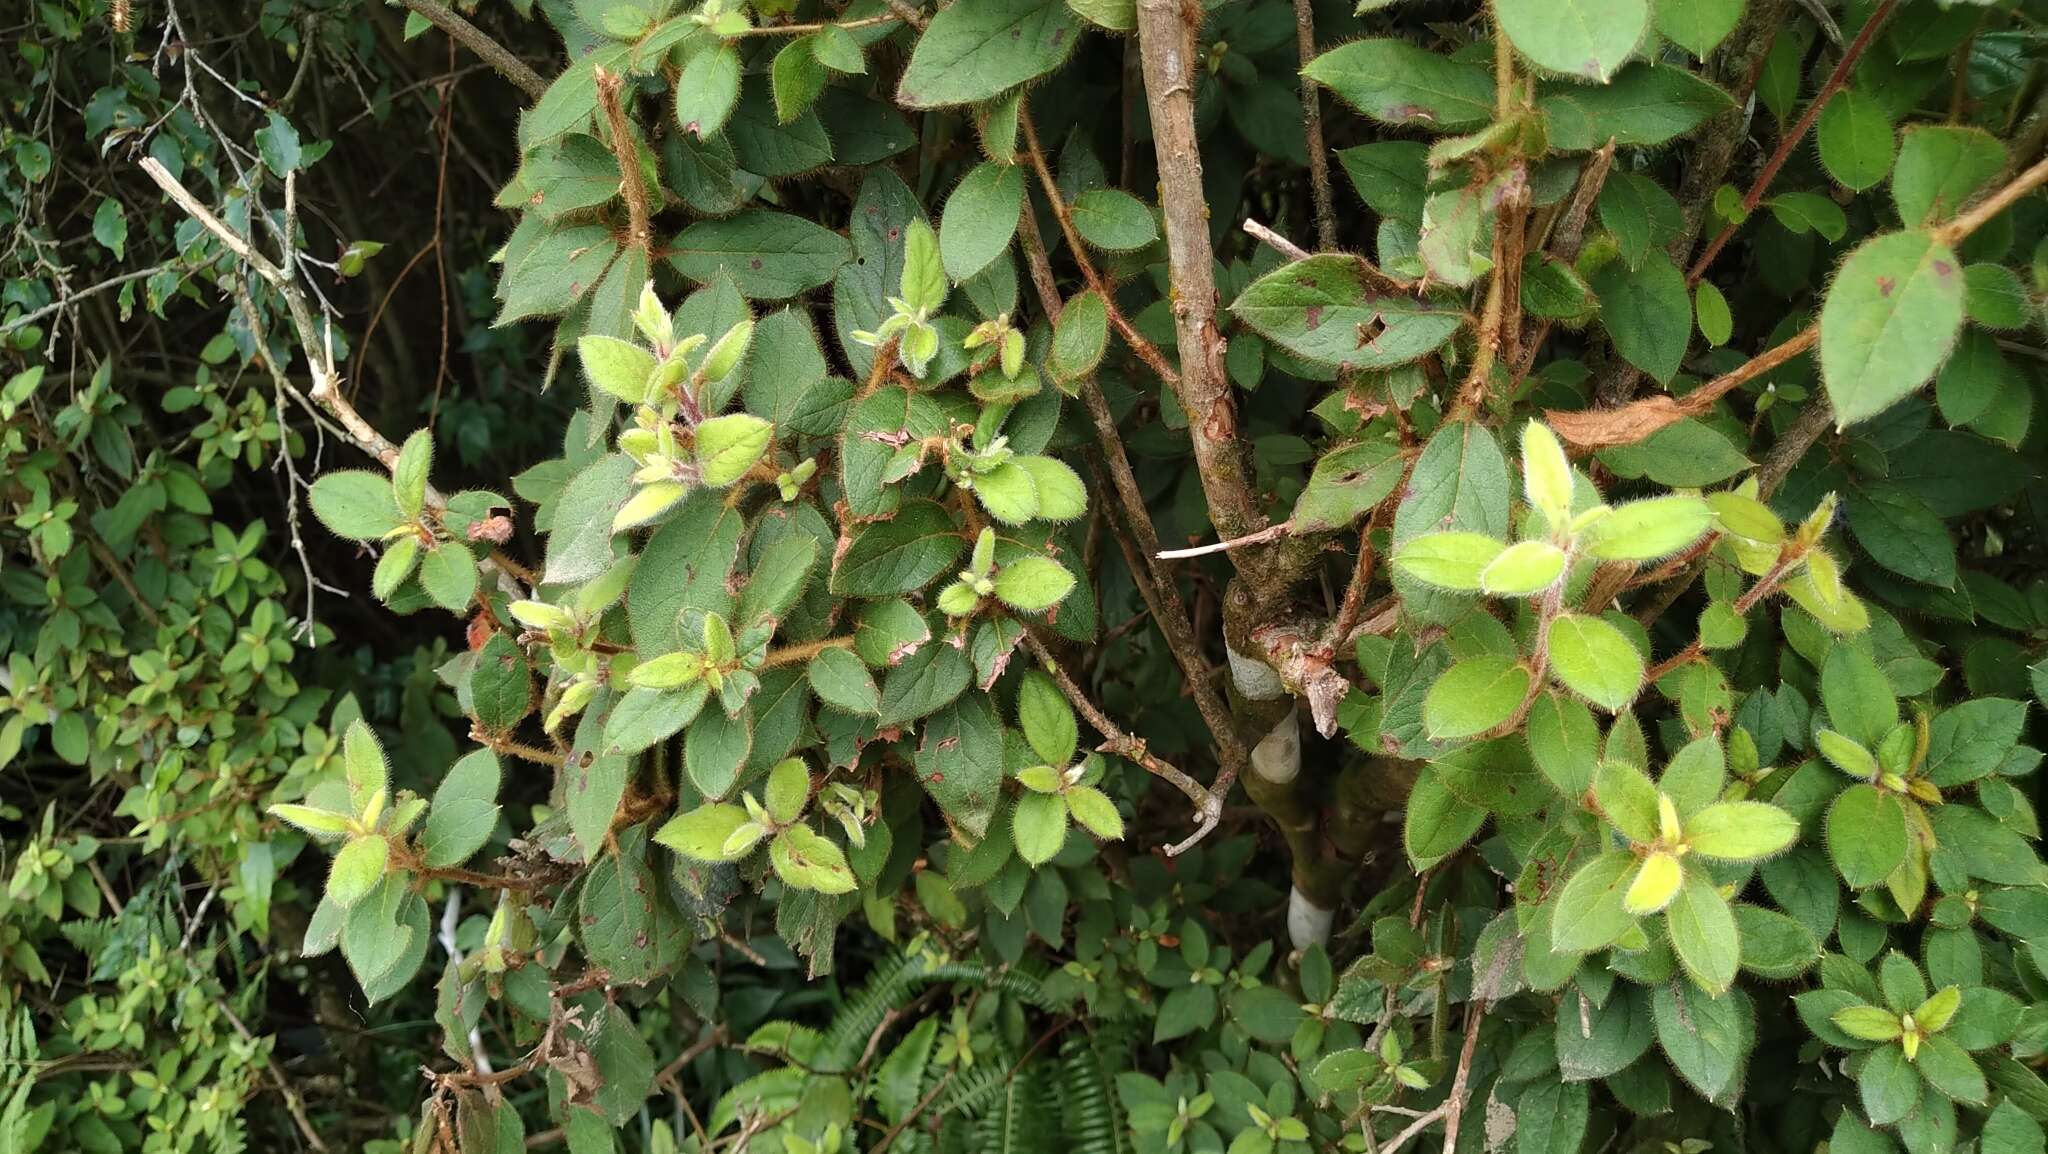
(1986, 210)
(1601, 428)
(1208, 806)
(476, 40)
(1285, 247)
(1166, 42)
(1475, 1014)
(633, 184)
(68, 299)
(1312, 127)
(1790, 141)
(1269, 533)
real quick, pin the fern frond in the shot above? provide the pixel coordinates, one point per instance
(1090, 1114)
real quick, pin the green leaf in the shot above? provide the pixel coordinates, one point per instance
(1740, 830)
(110, 225)
(1649, 529)
(1866, 834)
(843, 682)
(1628, 800)
(1710, 311)
(1972, 739)
(976, 49)
(1595, 660)
(363, 761)
(1975, 378)
(1903, 534)
(464, 811)
(1114, 220)
(1397, 83)
(1448, 560)
(795, 79)
(715, 750)
(1855, 138)
(580, 543)
(1647, 311)
(707, 90)
(644, 716)
(1079, 337)
(1645, 104)
(1698, 26)
(1804, 212)
(1707, 1038)
(900, 555)
(1551, 1117)
(1703, 933)
(620, 368)
(1316, 308)
(2009, 1130)
(1390, 176)
(1590, 915)
(1940, 168)
(981, 218)
(1890, 318)
(448, 574)
(1033, 584)
(1047, 720)
(1775, 945)
(959, 756)
(357, 869)
(1889, 1088)
(1857, 695)
(768, 255)
(923, 280)
(1061, 496)
(1437, 822)
(1008, 493)
(356, 504)
(1039, 826)
(1473, 696)
(1588, 38)
(394, 567)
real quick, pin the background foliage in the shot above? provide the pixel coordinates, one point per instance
(725, 712)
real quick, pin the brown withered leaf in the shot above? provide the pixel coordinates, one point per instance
(1600, 428)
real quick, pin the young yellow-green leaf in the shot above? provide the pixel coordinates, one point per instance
(1703, 933)
(923, 283)
(1448, 560)
(704, 833)
(788, 790)
(1595, 660)
(727, 351)
(707, 90)
(1934, 1014)
(1546, 474)
(1650, 529)
(1473, 696)
(362, 758)
(620, 368)
(1113, 220)
(1521, 569)
(1041, 778)
(1868, 1023)
(409, 473)
(981, 218)
(313, 820)
(1046, 719)
(1845, 755)
(1039, 826)
(1061, 496)
(357, 869)
(803, 858)
(1890, 318)
(394, 567)
(1866, 835)
(1740, 830)
(1590, 39)
(1009, 493)
(356, 504)
(728, 446)
(1590, 915)
(1655, 884)
(1097, 814)
(1628, 799)
(1033, 584)
(1746, 517)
